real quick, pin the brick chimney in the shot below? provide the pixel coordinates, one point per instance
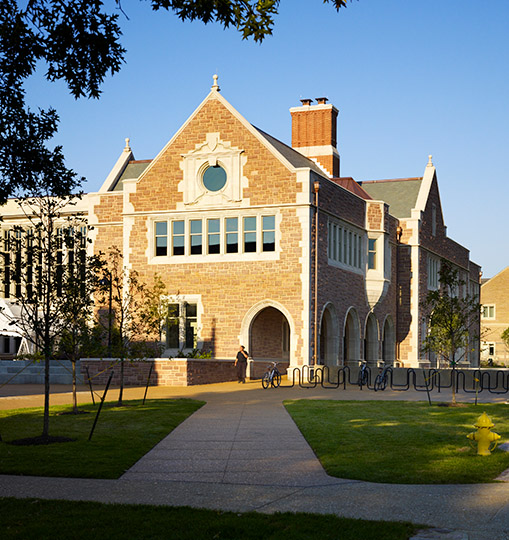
(314, 129)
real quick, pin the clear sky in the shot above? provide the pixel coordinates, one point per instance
(409, 77)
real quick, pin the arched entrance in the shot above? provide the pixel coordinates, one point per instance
(371, 341)
(269, 336)
(351, 339)
(328, 351)
(388, 343)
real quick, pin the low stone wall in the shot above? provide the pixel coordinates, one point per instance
(165, 371)
(171, 371)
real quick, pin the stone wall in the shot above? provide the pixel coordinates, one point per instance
(169, 371)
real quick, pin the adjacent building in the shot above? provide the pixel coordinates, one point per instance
(495, 318)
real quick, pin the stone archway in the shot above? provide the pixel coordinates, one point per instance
(269, 335)
(328, 349)
(371, 341)
(351, 339)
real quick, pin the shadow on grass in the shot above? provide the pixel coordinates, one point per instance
(122, 436)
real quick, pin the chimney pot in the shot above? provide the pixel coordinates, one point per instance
(321, 100)
(306, 102)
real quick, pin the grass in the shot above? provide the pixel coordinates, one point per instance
(400, 442)
(122, 436)
(38, 519)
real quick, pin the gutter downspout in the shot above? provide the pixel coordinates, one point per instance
(399, 233)
(316, 187)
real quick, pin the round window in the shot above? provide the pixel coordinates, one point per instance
(214, 178)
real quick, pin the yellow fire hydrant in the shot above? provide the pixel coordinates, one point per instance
(484, 436)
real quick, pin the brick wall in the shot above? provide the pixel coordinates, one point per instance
(496, 292)
(344, 288)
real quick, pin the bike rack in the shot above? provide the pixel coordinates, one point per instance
(494, 382)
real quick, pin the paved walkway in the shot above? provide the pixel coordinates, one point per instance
(242, 451)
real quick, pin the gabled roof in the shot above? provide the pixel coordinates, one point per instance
(496, 276)
(400, 194)
(127, 168)
(286, 155)
(292, 156)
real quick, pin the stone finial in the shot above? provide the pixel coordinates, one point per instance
(127, 147)
(215, 86)
(430, 162)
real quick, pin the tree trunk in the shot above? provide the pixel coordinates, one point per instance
(453, 379)
(45, 422)
(74, 396)
(120, 395)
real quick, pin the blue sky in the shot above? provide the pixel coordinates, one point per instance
(410, 78)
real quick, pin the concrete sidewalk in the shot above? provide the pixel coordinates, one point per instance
(242, 451)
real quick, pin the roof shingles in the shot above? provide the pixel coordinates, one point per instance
(401, 194)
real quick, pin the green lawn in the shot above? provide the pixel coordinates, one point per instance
(39, 520)
(122, 436)
(400, 442)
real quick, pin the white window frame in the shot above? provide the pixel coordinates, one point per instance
(182, 301)
(222, 256)
(490, 307)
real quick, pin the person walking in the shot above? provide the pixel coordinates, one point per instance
(241, 364)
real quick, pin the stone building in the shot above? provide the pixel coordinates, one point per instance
(267, 245)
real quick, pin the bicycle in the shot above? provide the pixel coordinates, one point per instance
(271, 377)
(363, 374)
(381, 379)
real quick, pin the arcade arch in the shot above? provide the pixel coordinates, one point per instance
(371, 341)
(329, 337)
(351, 339)
(388, 342)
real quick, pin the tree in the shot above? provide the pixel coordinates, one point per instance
(505, 337)
(79, 42)
(157, 311)
(79, 282)
(453, 316)
(80, 45)
(253, 18)
(37, 256)
(122, 297)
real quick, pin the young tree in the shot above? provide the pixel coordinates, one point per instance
(123, 297)
(80, 280)
(157, 312)
(453, 316)
(36, 263)
(505, 338)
